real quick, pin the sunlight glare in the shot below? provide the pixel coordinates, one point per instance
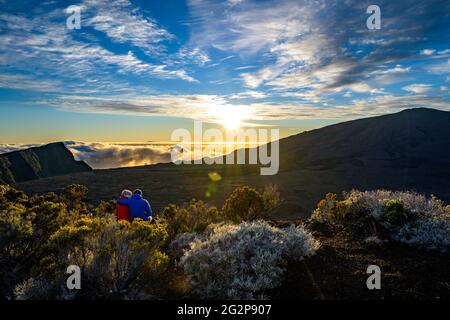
(231, 117)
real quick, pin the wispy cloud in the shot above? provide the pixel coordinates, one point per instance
(274, 59)
(200, 107)
(212, 108)
(122, 22)
(313, 45)
(249, 94)
(442, 67)
(18, 81)
(42, 48)
(427, 52)
(418, 88)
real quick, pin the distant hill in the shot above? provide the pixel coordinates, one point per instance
(406, 150)
(39, 162)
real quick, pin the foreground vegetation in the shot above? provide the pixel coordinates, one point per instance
(381, 215)
(196, 250)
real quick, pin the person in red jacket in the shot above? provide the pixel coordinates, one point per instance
(123, 213)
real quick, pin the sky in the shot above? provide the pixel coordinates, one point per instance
(137, 70)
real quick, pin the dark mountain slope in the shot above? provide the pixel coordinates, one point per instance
(405, 140)
(39, 162)
(407, 150)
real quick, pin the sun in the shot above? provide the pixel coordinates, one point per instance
(231, 117)
(232, 120)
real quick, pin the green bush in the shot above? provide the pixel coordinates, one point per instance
(395, 212)
(26, 223)
(331, 209)
(117, 259)
(244, 204)
(10, 195)
(271, 197)
(16, 231)
(105, 208)
(74, 195)
(193, 217)
(41, 236)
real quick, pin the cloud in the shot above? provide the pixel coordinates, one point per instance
(18, 81)
(247, 28)
(200, 107)
(442, 67)
(254, 80)
(418, 88)
(309, 49)
(290, 56)
(109, 155)
(391, 75)
(114, 155)
(212, 108)
(317, 45)
(40, 48)
(192, 55)
(4, 148)
(427, 52)
(249, 94)
(234, 2)
(123, 23)
(245, 67)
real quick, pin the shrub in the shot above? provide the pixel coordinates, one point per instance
(75, 192)
(373, 240)
(16, 231)
(10, 194)
(330, 209)
(74, 195)
(193, 217)
(39, 289)
(41, 236)
(395, 212)
(244, 204)
(432, 234)
(105, 208)
(406, 217)
(25, 225)
(243, 261)
(182, 243)
(271, 197)
(115, 258)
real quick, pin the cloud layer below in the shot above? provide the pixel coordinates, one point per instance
(109, 155)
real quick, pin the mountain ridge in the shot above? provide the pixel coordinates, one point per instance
(39, 162)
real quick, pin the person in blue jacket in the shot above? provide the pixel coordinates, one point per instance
(138, 206)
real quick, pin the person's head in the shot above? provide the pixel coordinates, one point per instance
(126, 193)
(138, 191)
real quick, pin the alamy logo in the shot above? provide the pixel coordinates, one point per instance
(74, 20)
(374, 280)
(374, 20)
(211, 147)
(74, 280)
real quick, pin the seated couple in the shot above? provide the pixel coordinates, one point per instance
(131, 206)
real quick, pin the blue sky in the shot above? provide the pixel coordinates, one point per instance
(136, 70)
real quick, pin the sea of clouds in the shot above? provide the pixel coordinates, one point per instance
(109, 155)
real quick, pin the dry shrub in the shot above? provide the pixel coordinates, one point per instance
(244, 261)
(406, 217)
